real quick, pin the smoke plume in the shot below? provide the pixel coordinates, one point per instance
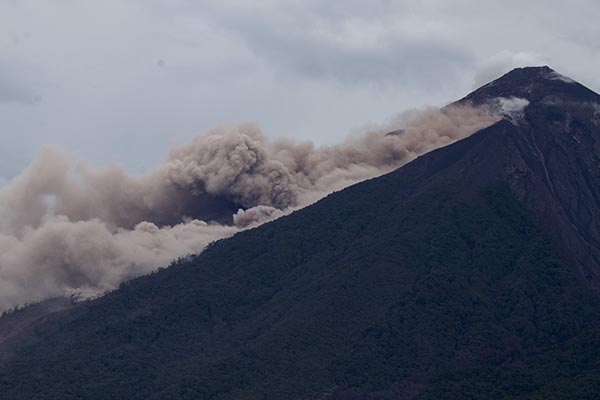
(68, 228)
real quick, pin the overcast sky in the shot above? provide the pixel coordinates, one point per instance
(118, 80)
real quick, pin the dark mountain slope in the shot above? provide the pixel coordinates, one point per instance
(558, 173)
(20, 324)
(448, 278)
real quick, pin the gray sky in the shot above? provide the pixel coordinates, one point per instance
(118, 80)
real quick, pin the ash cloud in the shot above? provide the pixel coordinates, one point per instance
(512, 108)
(69, 257)
(68, 228)
(256, 216)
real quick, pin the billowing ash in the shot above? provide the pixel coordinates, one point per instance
(511, 108)
(68, 228)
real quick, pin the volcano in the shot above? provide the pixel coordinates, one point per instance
(471, 272)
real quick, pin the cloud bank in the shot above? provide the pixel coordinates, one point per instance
(68, 228)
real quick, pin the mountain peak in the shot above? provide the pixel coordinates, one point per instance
(532, 72)
(538, 75)
(533, 84)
